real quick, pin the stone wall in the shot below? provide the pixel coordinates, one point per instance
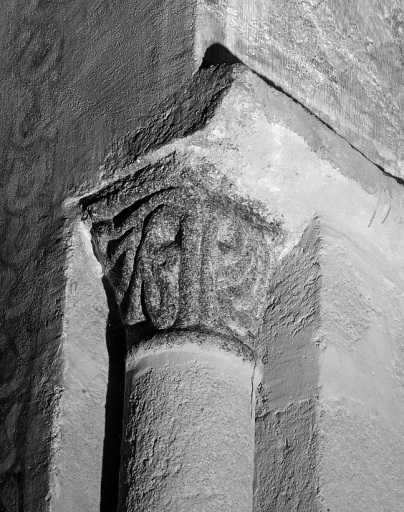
(94, 94)
(341, 59)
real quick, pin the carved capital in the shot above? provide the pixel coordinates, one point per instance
(179, 256)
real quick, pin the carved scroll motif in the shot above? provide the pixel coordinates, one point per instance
(180, 258)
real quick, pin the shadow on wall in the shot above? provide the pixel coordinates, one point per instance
(119, 339)
(218, 54)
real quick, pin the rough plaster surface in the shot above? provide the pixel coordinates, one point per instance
(286, 476)
(342, 59)
(74, 76)
(79, 445)
(351, 316)
(268, 152)
(189, 431)
(72, 98)
(285, 459)
(361, 375)
(190, 264)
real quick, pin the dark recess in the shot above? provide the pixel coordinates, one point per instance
(116, 346)
(119, 340)
(218, 54)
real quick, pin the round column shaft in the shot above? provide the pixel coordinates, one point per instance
(189, 428)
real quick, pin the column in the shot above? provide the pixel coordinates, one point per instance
(189, 427)
(190, 272)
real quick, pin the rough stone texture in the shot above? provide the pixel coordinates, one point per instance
(286, 474)
(179, 255)
(78, 456)
(74, 75)
(291, 323)
(361, 372)
(285, 458)
(360, 261)
(185, 260)
(189, 431)
(81, 81)
(342, 59)
(269, 153)
(262, 150)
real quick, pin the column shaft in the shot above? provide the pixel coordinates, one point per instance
(189, 431)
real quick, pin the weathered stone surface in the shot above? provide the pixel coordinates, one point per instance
(79, 459)
(179, 255)
(286, 450)
(66, 93)
(189, 430)
(333, 317)
(361, 370)
(68, 98)
(193, 265)
(342, 59)
(287, 447)
(262, 147)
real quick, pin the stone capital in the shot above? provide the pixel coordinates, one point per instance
(179, 256)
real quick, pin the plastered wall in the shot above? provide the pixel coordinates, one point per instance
(77, 77)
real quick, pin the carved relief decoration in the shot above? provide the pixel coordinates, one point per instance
(179, 256)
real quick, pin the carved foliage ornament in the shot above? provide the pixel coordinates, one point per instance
(178, 256)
